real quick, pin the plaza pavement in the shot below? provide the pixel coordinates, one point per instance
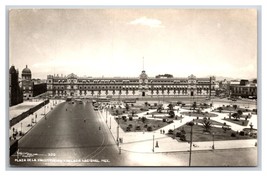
(142, 142)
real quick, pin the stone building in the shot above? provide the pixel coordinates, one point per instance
(141, 86)
(15, 92)
(26, 77)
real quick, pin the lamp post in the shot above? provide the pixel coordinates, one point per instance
(106, 116)
(173, 132)
(190, 151)
(213, 146)
(110, 122)
(153, 143)
(118, 132)
(21, 127)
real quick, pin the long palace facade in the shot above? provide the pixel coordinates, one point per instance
(75, 86)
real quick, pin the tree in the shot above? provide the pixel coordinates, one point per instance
(159, 109)
(117, 112)
(220, 109)
(194, 105)
(254, 81)
(133, 113)
(206, 125)
(170, 106)
(146, 103)
(127, 107)
(172, 114)
(239, 112)
(143, 119)
(236, 116)
(235, 107)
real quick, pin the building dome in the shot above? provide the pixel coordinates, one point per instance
(26, 71)
(12, 69)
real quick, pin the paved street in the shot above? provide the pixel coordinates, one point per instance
(69, 133)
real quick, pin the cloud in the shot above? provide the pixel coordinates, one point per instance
(147, 22)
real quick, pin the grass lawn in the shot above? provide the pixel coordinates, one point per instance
(190, 107)
(199, 135)
(201, 114)
(230, 108)
(212, 121)
(123, 111)
(238, 122)
(155, 124)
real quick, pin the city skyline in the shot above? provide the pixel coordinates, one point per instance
(113, 42)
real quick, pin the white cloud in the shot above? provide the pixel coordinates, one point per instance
(147, 22)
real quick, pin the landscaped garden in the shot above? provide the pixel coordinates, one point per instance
(238, 118)
(229, 108)
(140, 124)
(207, 132)
(199, 114)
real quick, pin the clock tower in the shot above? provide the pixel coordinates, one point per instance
(143, 83)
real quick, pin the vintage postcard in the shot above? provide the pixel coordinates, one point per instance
(133, 87)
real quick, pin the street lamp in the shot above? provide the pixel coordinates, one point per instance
(118, 131)
(190, 151)
(21, 127)
(213, 146)
(153, 143)
(110, 122)
(173, 132)
(106, 116)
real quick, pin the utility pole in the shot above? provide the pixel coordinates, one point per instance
(106, 116)
(118, 142)
(110, 122)
(213, 146)
(190, 124)
(153, 143)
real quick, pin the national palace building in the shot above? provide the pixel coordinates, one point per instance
(85, 87)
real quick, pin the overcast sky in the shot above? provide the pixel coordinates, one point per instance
(113, 42)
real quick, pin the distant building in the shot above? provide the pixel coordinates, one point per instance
(31, 87)
(72, 85)
(15, 92)
(26, 83)
(244, 82)
(243, 89)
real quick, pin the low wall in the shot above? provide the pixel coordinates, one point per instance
(22, 116)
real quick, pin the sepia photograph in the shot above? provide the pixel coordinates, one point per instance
(132, 87)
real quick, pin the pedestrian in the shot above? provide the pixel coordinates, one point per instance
(160, 131)
(84, 120)
(163, 131)
(99, 127)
